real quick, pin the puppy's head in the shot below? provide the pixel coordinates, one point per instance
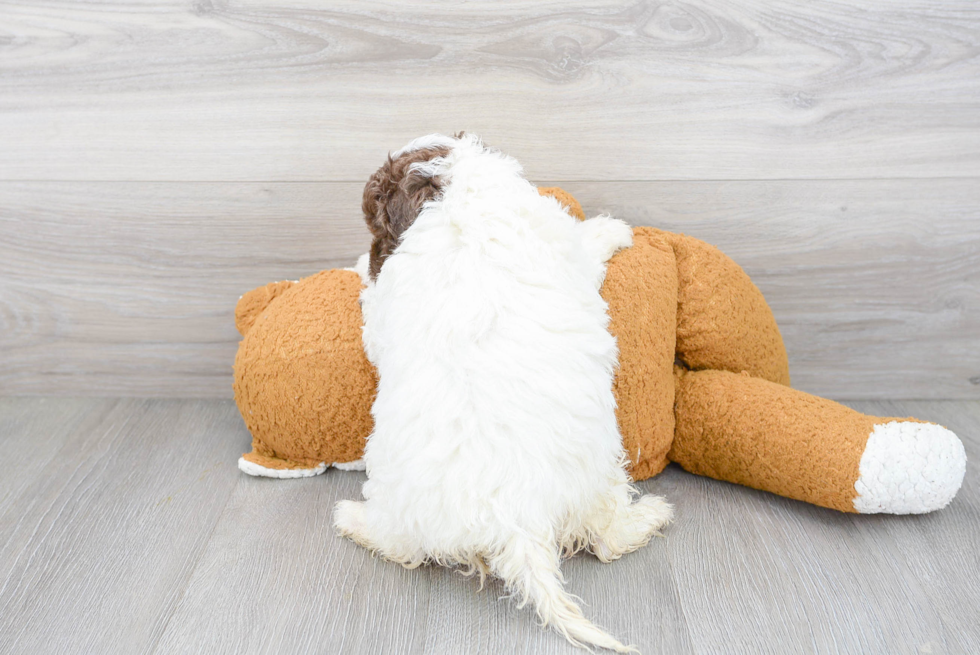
(395, 194)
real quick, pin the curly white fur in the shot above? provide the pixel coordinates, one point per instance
(495, 444)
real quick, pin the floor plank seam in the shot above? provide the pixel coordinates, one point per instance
(679, 597)
(152, 650)
(43, 518)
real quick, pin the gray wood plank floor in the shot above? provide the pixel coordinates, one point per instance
(125, 527)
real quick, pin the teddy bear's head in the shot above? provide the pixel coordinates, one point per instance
(302, 381)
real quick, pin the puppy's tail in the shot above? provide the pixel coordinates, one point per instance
(530, 570)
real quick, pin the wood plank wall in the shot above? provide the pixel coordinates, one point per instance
(158, 159)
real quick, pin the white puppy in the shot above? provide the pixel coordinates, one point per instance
(495, 445)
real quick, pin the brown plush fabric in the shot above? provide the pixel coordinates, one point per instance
(305, 387)
(566, 199)
(723, 322)
(767, 436)
(254, 303)
(641, 289)
(302, 381)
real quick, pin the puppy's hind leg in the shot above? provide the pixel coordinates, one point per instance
(352, 519)
(529, 568)
(623, 524)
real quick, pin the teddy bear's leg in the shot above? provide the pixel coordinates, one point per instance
(358, 521)
(767, 436)
(723, 321)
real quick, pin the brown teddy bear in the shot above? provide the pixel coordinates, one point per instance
(703, 381)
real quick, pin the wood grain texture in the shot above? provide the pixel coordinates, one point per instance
(110, 514)
(258, 90)
(94, 560)
(800, 578)
(929, 547)
(874, 283)
(139, 285)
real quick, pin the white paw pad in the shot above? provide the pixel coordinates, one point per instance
(260, 471)
(356, 465)
(909, 468)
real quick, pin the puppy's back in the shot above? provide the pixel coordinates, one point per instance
(491, 344)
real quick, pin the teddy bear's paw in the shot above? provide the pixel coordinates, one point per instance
(909, 468)
(356, 465)
(253, 468)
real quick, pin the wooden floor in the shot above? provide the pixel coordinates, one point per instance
(125, 527)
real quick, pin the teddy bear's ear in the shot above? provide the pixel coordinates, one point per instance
(565, 198)
(254, 303)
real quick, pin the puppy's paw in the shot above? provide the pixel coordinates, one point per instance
(349, 519)
(632, 528)
(654, 512)
(604, 236)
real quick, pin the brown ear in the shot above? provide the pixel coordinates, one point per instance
(393, 198)
(565, 198)
(254, 303)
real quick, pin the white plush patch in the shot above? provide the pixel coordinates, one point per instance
(262, 472)
(356, 465)
(909, 468)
